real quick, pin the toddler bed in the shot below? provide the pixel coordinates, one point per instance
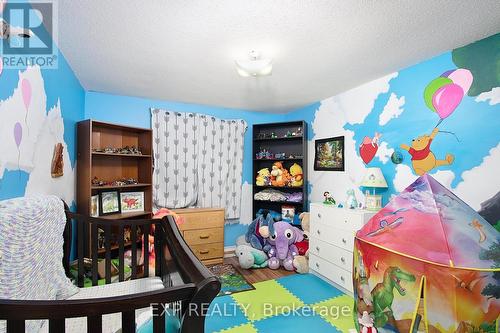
(37, 296)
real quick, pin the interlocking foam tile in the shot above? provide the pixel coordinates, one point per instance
(297, 322)
(247, 328)
(309, 288)
(331, 311)
(266, 300)
(223, 312)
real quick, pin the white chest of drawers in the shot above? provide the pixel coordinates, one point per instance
(332, 240)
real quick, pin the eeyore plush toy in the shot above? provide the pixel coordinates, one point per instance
(282, 238)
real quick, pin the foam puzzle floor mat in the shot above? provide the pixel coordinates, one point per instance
(295, 303)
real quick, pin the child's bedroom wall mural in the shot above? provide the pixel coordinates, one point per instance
(440, 116)
(39, 109)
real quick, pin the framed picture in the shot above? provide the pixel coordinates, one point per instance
(94, 206)
(109, 202)
(132, 201)
(288, 213)
(329, 154)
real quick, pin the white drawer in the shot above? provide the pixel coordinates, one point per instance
(331, 253)
(337, 237)
(336, 274)
(341, 218)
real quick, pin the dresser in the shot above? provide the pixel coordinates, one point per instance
(332, 241)
(203, 231)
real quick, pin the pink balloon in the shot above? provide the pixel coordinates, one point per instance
(2, 5)
(18, 133)
(26, 90)
(446, 99)
(462, 77)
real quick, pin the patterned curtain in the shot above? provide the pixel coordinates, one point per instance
(198, 161)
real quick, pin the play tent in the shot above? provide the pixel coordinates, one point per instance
(428, 260)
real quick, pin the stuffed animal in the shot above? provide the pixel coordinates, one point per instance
(248, 257)
(257, 231)
(282, 239)
(277, 174)
(263, 177)
(297, 178)
(366, 322)
(301, 262)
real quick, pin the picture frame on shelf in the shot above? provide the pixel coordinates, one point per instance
(109, 202)
(329, 154)
(132, 202)
(287, 213)
(94, 206)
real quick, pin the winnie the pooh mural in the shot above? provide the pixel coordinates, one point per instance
(427, 261)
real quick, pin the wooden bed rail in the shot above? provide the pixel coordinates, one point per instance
(185, 279)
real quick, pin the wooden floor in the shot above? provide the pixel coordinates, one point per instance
(259, 274)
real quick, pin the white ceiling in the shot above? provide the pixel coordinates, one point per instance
(184, 50)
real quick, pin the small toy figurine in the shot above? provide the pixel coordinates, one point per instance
(366, 323)
(351, 201)
(329, 200)
(273, 135)
(288, 134)
(340, 205)
(299, 131)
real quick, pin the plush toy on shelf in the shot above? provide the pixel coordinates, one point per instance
(249, 257)
(263, 177)
(277, 174)
(301, 262)
(297, 178)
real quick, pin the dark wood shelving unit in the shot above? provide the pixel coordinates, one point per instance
(109, 167)
(293, 145)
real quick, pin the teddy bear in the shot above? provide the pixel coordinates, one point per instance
(263, 177)
(422, 158)
(301, 262)
(297, 178)
(279, 175)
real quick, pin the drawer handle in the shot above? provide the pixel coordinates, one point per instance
(345, 221)
(342, 259)
(204, 251)
(317, 248)
(319, 215)
(204, 236)
(319, 232)
(344, 241)
(317, 265)
(342, 278)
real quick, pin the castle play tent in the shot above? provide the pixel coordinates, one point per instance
(428, 260)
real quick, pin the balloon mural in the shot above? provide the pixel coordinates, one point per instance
(26, 91)
(369, 147)
(2, 5)
(18, 135)
(443, 94)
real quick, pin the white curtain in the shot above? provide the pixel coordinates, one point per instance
(198, 161)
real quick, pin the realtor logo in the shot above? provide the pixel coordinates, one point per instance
(27, 34)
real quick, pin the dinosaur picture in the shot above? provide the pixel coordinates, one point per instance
(383, 294)
(422, 158)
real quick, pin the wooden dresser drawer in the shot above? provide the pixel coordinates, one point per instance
(331, 253)
(204, 236)
(341, 238)
(201, 218)
(336, 274)
(208, 251)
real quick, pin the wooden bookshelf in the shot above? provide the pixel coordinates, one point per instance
(109, 167)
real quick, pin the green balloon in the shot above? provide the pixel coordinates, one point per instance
(432, 87)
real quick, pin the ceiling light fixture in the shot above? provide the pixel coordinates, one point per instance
(254, 66)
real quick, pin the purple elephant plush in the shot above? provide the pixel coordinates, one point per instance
(282, 239)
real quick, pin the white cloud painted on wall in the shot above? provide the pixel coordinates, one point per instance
(384, 152)
(468, 189)
(345, 108)
(393, 109)
(41, 130)
(492, 96)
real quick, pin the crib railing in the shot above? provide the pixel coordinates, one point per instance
(186, 281)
